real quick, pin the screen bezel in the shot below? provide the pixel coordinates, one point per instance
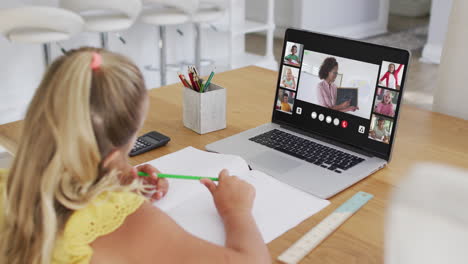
(342, 41)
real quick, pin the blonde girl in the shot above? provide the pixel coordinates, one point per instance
(71, 196)
(386, 107)
(288, 80)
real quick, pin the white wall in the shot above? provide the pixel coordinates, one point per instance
(355, 19)
(286, 13)
(338, 13)
(440, 12)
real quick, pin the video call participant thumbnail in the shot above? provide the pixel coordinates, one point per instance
(289, 77)
(293, 52)
(390, 75)
(380, 129)
(385, 103)
(285, 101)
(327, 90)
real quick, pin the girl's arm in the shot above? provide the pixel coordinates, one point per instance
(151, 236)
(294, 84)
(385, 76)
(399, 68)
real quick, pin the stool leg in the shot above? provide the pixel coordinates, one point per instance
(104, 40)
(47, 54)
(162, 54)
(197, 46)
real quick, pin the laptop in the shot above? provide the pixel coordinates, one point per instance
(334, 117)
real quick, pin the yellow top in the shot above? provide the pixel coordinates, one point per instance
(285, 107)
(102, 216)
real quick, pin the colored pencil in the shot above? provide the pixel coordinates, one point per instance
(174, 176)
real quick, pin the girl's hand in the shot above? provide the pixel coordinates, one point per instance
(159, 185)
(231, 195)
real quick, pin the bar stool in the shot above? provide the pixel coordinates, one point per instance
(105, 16)
(163, 13)
(39, 25)
(208, 11)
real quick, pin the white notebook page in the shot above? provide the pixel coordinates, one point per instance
(193, 162)
(278, 207)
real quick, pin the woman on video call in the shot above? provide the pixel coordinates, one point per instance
(391, 77)
(326, 89)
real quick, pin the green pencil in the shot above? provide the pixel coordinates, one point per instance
(172, 176)
(207, 83)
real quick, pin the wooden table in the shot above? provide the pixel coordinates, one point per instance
(422, 136)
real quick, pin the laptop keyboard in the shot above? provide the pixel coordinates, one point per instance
(307, 150)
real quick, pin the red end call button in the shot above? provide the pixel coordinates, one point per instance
(344, 124)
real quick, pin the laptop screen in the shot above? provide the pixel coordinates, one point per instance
(341, 89)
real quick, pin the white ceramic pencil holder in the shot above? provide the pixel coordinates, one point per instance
(205, 112)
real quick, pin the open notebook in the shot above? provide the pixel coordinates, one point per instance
(277, 207)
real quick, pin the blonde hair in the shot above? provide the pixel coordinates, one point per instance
(76, 118)
(389, 93)
(286, 73)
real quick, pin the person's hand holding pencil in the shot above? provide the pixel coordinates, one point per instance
(232, 195)
(159, 186)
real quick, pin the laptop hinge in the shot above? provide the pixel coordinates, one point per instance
(329, 141)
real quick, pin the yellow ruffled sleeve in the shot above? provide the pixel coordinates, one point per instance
(102, 216)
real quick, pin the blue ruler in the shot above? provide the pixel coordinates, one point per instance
(320, 232)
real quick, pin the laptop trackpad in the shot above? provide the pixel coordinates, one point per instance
(274, 162)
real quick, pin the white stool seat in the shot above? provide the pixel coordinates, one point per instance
(37, 36)
(207, 15)
(105, 15)
(163, 16)
(107, 22)
(37, 24)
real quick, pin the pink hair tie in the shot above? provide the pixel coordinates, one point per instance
(97, 61)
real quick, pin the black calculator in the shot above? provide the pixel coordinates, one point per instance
(147, 142)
